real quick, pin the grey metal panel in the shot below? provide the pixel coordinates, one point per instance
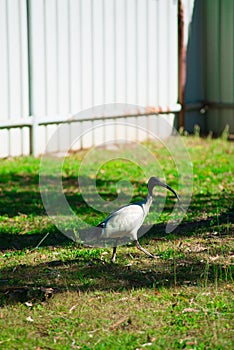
(13, 59)
(92, 52)
(84, 53)
(13, 74)
(87, 53)
(212, 59)
(226, 63)
(194, 88)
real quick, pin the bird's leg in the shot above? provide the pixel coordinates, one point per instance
(114, 251)
(143, 250)
(113, 254)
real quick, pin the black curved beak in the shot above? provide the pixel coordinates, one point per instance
(159, 183)
(154, 181)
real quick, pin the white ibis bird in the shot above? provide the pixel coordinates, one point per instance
(126, 221)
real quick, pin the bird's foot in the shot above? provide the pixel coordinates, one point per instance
(113, 259)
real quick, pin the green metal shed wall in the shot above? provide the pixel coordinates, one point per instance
(219, 62)
(210, 65)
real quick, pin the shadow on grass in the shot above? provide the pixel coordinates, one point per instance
(17, 241)
(38, 283)
(20, 194)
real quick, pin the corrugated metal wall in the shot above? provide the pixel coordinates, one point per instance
(210, 66)
(60, 57)
(89, 52)
(13, 75)
(63, 56)
(194, 88)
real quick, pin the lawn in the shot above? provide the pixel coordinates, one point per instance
(58, 294)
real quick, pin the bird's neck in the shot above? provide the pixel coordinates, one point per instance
(149, 200)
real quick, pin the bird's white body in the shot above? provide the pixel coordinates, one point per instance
(126, 221)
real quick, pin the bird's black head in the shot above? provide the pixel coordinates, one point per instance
(154, 181)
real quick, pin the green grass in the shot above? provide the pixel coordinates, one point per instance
(60, 295)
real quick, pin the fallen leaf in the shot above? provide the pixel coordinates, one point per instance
(190, 309)
(29, 319)
(205, 293)
(28, 303)
(73, 308)
(119, 322)
(191, 343)
(146, 344)
(47, 290)
(197, 249)
(214, 258)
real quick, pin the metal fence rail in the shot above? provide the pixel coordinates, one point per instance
(33, 123)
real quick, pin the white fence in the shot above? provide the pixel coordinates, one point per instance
(60, 57)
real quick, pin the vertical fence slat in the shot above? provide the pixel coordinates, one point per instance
(4, 59)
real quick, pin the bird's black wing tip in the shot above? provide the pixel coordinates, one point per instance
(102, 224)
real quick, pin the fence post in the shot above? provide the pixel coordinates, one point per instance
(33, 137)
(181, 62)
